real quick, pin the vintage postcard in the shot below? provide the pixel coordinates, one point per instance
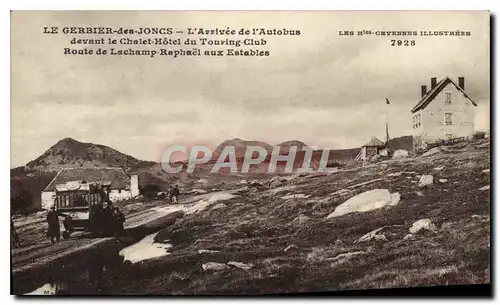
(249, 152)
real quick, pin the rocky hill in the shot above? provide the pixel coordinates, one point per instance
(69, 152)
(240, 147)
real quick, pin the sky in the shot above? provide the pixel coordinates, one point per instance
(319, 87)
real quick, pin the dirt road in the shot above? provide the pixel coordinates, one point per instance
(42, 253)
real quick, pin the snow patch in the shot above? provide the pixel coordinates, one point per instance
(198, 191)
(400, 153)
(204, 203)
(484, 188)
(145, 249)
(47, 289)
(367, 201)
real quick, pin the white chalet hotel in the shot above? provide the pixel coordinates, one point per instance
(444, 112)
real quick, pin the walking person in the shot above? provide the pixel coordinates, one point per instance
(54, 231)
(175, 194)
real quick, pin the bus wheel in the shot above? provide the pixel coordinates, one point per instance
(66, 234)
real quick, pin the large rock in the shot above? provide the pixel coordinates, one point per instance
(400, 153)
(240, 265)
(372, 235)
(426, 180)
(214, 266)
(367, 201)
(275, 181)
(422, 224)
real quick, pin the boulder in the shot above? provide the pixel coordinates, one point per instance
(400, 153)
(443, 180)
(397, 174)
(296, 196)
(439, 168)
(214, 266)
(275, 182)
(422, 224)
(367, 201)
(381, 237)
(254, 183)
(409, 237)
(240, 265)
(426, 180)
(372, 235)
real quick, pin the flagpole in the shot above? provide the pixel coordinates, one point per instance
(387, 121)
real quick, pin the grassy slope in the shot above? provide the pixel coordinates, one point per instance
(258, 225)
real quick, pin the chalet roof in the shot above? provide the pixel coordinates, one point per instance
(429, 96)
(374, 142)
(115, 176)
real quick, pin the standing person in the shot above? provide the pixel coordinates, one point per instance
(169, 193)
(54, 232)
(175, 194)
(119, 220)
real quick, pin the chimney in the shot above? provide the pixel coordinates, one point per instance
(433, 82)
(424, 90)
(461, 82)
(134, 184)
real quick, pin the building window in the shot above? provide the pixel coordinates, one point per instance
(447, 119)
(447, 98)
(449, 136)
(417, 121)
